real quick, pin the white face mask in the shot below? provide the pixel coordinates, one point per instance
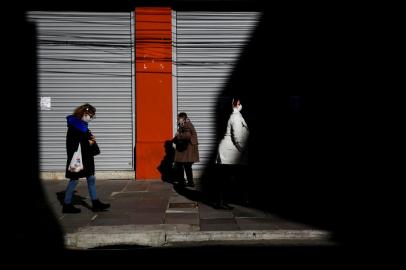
(181, 121)
(239, 107)
(86, 118)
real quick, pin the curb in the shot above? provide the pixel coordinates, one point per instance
(99, 236)
(252, 235)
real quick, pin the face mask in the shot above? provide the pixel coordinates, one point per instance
(86, 118)
(239, 107)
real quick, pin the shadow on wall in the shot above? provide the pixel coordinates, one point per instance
(166, 166)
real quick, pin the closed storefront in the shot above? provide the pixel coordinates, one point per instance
(207, 46)
(89, 57)
(86, 57)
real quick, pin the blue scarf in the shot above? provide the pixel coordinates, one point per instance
(77, 123)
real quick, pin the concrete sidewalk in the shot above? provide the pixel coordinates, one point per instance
(153, 213)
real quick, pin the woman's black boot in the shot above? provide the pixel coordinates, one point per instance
(190, 183)
(99, 206)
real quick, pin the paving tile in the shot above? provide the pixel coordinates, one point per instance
(147, 218)
(219, 224)
(292, 226)
(73, 225)
(111, 222)
(182, 210)
(215, 214)
(256, 224)
(241, 211)
(160, 185)
(179, 199)
(136, 187)
(181, 218)
(182, 205)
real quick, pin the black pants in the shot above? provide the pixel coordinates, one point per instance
(182, 167)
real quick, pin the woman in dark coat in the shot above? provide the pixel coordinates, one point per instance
(78, 133)
(187, 151)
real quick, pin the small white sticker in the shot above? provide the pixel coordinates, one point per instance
(45, 103)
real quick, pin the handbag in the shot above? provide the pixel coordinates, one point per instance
(76, 164)
(94, 149)
(181, 145)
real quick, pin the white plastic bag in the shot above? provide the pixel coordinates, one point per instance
(76, 164)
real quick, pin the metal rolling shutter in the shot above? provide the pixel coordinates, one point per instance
(86, 58)
(206, 48)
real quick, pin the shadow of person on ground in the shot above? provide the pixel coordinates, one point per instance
(190, 193)
(76, 199)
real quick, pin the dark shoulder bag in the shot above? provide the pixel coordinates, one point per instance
(94, 149)
(181, 145)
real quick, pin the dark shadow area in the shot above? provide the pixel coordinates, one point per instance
(33, 226)
(191, 194)
(224, 255)
(76, 199)
(302, 80)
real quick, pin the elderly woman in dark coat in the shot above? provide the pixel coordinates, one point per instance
(187, 151)
(79, 134)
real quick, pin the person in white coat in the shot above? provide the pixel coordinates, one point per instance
(232, 156)
(233, 147)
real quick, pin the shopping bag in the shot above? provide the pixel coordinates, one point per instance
(76, 164)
